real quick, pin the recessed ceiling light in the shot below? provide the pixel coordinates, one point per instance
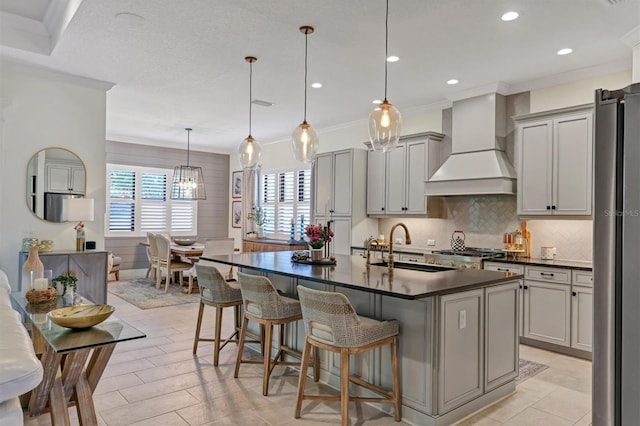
(316, 85)
(377, 101)
(565, 51)
(452, 81)
(510, 16)
(393, 59)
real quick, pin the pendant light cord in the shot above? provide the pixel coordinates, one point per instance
(250, 92)
(386, 49)
(306, 39)
(188, 140)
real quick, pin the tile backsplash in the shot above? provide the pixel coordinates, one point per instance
(484, 220)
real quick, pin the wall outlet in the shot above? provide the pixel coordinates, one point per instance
(431, 243)
(462, 319)
(398, 240)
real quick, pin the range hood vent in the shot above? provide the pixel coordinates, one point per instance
(478, 164)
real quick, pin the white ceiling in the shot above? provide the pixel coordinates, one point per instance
(182, 63)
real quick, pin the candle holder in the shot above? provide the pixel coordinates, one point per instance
(292, 233)
(302, 240)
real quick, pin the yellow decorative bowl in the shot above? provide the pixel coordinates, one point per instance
(81, 316)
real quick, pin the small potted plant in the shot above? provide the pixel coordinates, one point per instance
(317, 238)
(69, 283)
(259, 217)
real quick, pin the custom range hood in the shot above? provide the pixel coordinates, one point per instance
(478, 164)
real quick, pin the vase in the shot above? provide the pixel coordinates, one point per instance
(32, 268)
(316, 253)
(69, 297)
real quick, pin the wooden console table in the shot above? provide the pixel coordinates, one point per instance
(249, 245)
(73, 361)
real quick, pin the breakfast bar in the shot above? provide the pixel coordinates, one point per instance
(458, 328)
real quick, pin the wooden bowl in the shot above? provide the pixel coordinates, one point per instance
(184, 241)
(81, 316)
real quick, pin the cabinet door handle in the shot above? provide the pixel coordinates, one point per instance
(382, 208)
(520, 286)
(526, 287)
(502, 269)
(553, 207)
(546, 274)
(548, 207)
(574, 293)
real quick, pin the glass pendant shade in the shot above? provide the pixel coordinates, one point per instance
(385, 122)
(188, 183)
(305, 143)
(249, 152)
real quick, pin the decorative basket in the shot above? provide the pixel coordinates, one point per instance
(36, 296)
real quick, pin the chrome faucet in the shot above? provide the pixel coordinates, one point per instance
(407, 241)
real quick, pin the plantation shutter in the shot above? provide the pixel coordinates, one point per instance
(153, 206)
(122, 194)
(269, 202)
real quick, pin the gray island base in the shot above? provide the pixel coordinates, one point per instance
(458, 329)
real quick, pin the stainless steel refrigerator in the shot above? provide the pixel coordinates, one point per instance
(53, 205)
(616, 257)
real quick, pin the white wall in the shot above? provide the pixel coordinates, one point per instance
(577, 92)
(48, 109)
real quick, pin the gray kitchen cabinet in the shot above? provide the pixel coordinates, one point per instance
(376, 183)
(582, 311)
(501, 337)
(339, 179)
(90, 267)
(396, 179)
(554, 154)
(65, 177)
(547, 305)
(461, 357)
(516, 269)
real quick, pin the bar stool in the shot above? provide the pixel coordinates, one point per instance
(216, 291)
(262, 304)
(331, 323)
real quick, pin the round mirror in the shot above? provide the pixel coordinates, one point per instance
(52, 175)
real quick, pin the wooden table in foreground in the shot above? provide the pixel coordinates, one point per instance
(73, 361)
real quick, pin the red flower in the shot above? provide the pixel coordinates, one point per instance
(318, 235)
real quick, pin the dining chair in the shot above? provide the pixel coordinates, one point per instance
(263, 305)
(166, 262)
(152, 255)
(331, 323)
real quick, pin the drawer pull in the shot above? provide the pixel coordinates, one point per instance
(574, 293)
(526, 287)
(546, 274)
(502, 269)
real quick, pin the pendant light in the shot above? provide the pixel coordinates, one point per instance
(188, 183)
(304, 137)
(385, 120)
(250, 149)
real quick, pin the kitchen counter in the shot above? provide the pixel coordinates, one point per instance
(458, 328)
(352, 272)
(556, 263)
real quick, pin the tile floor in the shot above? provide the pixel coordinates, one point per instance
(157, 381)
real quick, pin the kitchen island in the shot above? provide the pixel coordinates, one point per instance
(458, 328)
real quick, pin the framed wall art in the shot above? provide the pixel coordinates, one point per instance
(236, 184)
(236, 214)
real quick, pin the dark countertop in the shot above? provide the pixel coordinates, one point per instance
(351, 272)
(278, 242)
(556, 263)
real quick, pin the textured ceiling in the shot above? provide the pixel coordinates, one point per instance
(182, 64)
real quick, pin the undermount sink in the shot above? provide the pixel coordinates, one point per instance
(416, 266)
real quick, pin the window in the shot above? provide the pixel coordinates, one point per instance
(138, 202)
(285, 196)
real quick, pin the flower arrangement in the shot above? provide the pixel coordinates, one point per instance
(318, 236)
(68, 280)
(257, 215)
